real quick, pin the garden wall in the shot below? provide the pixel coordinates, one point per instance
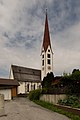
(52, 98)
(2, 111)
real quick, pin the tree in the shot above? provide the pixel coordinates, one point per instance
(47, 81)
(72, 81)
(75, 70)
(76, 75)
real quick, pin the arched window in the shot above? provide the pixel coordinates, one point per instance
(49, 62)
(42, 56)
(42, 62)
(48, 50)
(34, 86)
(27, 87)
(48, 55)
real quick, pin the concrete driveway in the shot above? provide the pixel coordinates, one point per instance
(23, 109)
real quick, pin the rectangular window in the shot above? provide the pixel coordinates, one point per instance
(48, 55)
(49, 62)
(42, 62)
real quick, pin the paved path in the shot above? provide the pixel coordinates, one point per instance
(23, 109)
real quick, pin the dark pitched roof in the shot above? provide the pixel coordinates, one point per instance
(56, 80)
(46, 39)
(57, 77)
(26, 74)
(8, 82)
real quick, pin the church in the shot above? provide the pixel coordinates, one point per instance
(28, 78)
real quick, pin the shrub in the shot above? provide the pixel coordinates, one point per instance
(44, 90)
(35, 94)
(71, 100)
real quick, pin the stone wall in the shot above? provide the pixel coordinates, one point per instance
(2, 111)
(52, 98)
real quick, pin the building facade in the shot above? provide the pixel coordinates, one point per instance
(46, 52)
(8, 88)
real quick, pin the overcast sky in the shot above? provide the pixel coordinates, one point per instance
(22, 29)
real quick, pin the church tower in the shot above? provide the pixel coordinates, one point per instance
(46, 52)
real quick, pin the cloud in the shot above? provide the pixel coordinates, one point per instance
(67, 50)
(21, 33)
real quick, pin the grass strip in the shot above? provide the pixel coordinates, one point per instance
(55, 109)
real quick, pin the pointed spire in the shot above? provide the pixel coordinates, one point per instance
(46, 39)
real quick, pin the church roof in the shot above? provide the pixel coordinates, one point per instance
(26, 74)
(46, 39)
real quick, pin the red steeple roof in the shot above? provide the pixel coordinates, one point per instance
(46, 39)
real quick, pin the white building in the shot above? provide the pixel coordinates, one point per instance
(46, 52)
(28, 78)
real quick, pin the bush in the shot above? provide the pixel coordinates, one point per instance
(71, 100)
(44, 90)
(35, 94)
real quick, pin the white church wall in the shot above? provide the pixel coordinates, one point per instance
(38, 85)
(29, 86)
(32, 86)
(35, 85)
(43, 70)
(11, 74)
(21, 88)
(47, 67)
